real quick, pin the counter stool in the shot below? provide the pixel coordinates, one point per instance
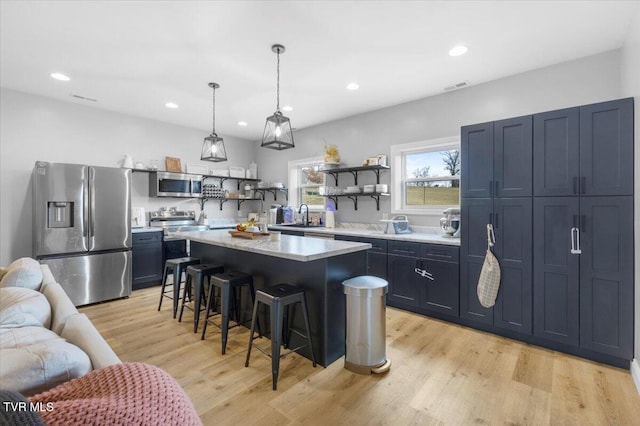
(279, 298)
(195, 278)
(227, 282)
(177, 267)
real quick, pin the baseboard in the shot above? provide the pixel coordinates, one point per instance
(635, 372)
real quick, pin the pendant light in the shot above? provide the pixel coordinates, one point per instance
(277, 130)
(213, 146)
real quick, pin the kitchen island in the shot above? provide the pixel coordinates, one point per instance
(319, 266)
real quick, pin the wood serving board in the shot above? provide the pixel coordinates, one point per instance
(250, 235)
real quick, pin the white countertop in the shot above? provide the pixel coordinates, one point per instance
(289, 247)
(424, 236)
(145, 229)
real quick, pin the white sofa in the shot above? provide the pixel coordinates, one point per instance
(44, 340)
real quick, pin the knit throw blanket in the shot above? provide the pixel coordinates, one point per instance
(122, 394)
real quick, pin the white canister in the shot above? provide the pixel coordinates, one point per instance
(329, 219)
(253, 170)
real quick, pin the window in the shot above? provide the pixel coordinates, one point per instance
(305, 180)
(425, 176)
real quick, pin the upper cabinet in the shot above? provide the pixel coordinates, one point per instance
(584, 150)
(501, 153)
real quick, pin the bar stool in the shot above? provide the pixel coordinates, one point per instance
(227, 282)
(279, 297)
(177, 267)
(195, 278)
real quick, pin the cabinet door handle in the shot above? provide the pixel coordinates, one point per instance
(575, 185)
(583, 184)
(496, 188)
(424, 273)
(491, 188)
(575, 241)
(497, 224)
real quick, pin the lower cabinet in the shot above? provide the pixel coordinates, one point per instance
(146, 255)
(512, 223)
(423, 277)
(583, 250)
(377, 255)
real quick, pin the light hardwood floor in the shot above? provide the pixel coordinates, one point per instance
(442, 374)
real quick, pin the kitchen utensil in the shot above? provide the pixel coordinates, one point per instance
(450, 224)
(397, 225)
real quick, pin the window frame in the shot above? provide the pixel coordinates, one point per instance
(294, 170)
(397, 162)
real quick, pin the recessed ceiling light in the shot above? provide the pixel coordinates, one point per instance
(242, 123)
(59, 76)
(287, 108)
(171, 105)
(353, 86)
(458, 50)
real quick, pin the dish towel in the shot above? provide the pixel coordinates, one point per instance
(489, 281)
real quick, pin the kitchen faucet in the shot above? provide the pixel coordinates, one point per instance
(306, 221)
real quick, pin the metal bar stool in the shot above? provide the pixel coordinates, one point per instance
(195, 278)
(228, 283)
(279, 298)
(177, 267)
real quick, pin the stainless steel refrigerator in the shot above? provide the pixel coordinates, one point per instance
(82, 228)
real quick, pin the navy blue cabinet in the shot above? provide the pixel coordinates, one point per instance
(606, 275)
(476, 177)
(513, 229)
(404, 283)
(498, 159)
(583, 227)
(377, 254)
(584, 272)
(423, 277)
(556, 269)
(439, 274)
(556, 136)
(146, 259)
(504, 202)
(585, 150)
(512, 222)
(475, 215)
(606, 148)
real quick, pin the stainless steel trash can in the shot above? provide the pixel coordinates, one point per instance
(366, 325)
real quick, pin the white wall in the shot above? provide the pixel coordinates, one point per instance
(35, 128)
(582, 81)
(631, 87)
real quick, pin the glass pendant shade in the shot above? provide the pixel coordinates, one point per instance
(213, 146)
(213, 149)
(277, 132)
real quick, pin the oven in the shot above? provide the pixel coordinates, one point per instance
(172, 221)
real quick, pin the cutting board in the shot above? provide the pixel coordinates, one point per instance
(250, 235)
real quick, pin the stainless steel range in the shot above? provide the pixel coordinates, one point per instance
(172, 221)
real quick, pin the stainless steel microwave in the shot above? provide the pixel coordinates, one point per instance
(167, 184)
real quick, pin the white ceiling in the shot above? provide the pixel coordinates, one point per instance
(134, 56)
